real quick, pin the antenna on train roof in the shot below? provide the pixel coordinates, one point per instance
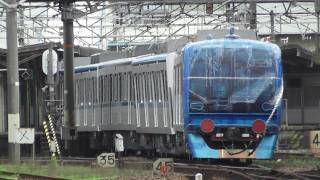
(231, 34)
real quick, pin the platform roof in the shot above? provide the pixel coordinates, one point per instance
(32, 52)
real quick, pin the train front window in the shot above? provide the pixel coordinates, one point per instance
(236, 79)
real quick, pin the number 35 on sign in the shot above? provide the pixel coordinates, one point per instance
(106, 160)
(315, 142)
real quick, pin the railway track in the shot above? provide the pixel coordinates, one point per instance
(189, 169)
(252, 172)
(29, 176)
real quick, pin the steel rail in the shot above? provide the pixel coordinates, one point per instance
(190, 168)
(30, 176)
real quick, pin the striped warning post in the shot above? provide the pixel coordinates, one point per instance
(54, 134)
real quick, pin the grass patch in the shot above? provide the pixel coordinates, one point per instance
(74, 171)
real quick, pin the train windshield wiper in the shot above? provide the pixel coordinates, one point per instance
(201, 98)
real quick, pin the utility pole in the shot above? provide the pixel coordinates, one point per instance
(13, 98)
(68, 37)
(50, 78)
(253, 14)
(272, 26)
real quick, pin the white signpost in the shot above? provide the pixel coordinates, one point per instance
(106, 160)
(24, 135)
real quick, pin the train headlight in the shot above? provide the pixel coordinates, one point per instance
(259, 126)
(207, 125)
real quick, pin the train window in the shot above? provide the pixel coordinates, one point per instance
(115, 92)
(99, 84)
(161, 97)
(124, 87)
(107, 88)
(133, 89)
(241, 62)
(136, 86)
(129, 85)
(143, 82)
(112, 83)
(151, 94)
(139, 85)
(164, 86)
(103, 84)
(110, 94)
(141, 88)
(152, 86)
(89, 80)
(115, 89)
(119, 86)
(93, 89)
(81, 94)
(86, 92)
(76, 91)
(96, 89)
(101, 87)
(156, 86)
(147, 86)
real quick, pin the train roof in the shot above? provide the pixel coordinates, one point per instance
(233, 43)
(146, 59)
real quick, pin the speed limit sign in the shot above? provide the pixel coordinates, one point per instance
(106, 160)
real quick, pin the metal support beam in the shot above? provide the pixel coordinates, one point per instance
(13, 80)
(68, 45)
(8, 5)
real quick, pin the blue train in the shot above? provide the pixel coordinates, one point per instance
(232, 91)
(218, 98)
